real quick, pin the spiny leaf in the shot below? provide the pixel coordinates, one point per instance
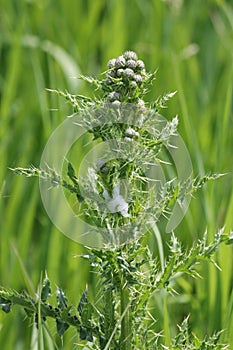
(5, 305)
(85, 309)
(95, 82)
(71, 173)
(86, 334)
(185, 262)
(160, 103)
(230, 239)
(61, 299)
(75, 100)
(29, 172)
(83, 301)
(201, 181)
(46, 289)
(61, 327)
(73, 178)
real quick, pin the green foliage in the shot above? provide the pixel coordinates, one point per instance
(185, 340)
(130, 268)
(129, 273)
(191, 43)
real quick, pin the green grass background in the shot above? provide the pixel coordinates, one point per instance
(44, 44)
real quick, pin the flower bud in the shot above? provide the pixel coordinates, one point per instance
(128, 73)
(127, 139)
(102, 167)
(140, 64)
(120, 72)
(116, 104)
(100, 163)
(133, 84)
(131, 64)
(112, 74)
(104, 170)
(120, 62)
(130, 132)
(130, 55)
(108, 81)
(138, 78)
(112, 96)
(111, 63)
(141, 105)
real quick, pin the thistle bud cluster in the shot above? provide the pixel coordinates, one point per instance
(125, 80)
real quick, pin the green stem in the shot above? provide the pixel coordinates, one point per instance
(166, 322)
(109, 319)
(126, 321)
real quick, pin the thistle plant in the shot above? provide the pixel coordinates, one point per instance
(127, 189)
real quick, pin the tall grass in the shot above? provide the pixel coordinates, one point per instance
(44, 45)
